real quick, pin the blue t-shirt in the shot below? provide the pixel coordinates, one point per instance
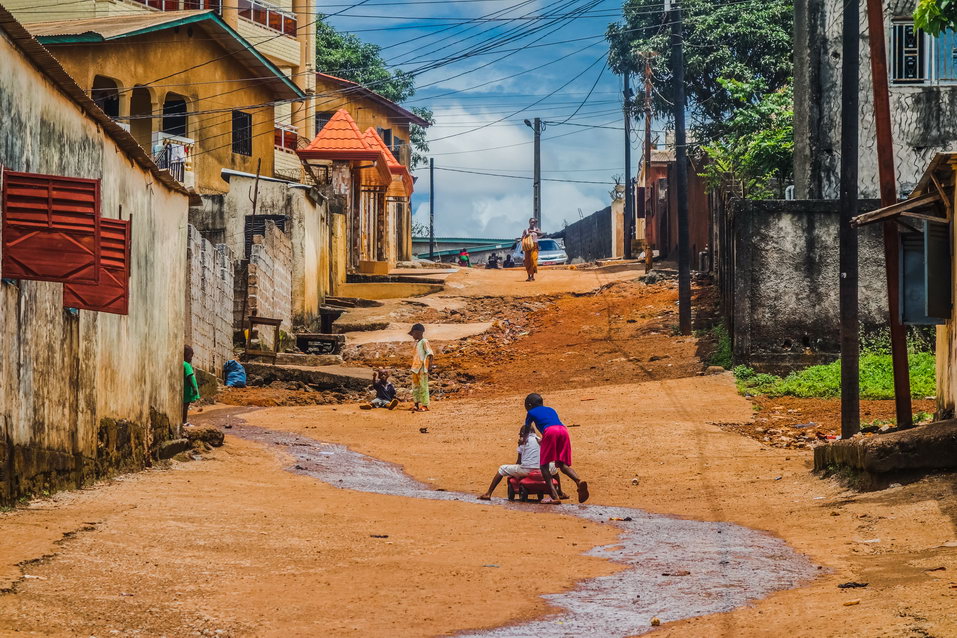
(543, 417)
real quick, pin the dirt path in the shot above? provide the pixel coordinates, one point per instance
(236, 543)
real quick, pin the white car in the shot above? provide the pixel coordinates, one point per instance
(550, 253)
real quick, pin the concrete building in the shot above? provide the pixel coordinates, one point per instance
(923, 98)
(215, 110)
(83, 392)
(282, 32)
(368, 188)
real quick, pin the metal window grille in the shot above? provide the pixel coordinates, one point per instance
(322, 119)
(909, 45)
(242, 133)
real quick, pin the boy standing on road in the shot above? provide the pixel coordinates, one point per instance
(422, 357)
(190, 387)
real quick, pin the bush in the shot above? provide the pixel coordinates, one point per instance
(722, 353)
(824, 381)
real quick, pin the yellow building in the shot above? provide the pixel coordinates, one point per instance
(282, 32)
(192, 92)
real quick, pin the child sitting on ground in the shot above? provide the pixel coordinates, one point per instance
(556, 446)
(526, 463)
(384, 392)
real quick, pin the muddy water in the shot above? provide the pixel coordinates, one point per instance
(676, 568)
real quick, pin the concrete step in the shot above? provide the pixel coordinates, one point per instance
(335, 377)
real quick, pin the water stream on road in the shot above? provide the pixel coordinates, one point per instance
(677, 568)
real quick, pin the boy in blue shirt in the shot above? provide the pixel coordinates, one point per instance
(556, 446)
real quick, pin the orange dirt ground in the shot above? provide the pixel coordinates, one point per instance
(233, 545)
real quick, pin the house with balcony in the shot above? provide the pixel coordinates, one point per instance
(280, 33)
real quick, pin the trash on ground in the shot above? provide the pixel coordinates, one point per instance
(851, 585)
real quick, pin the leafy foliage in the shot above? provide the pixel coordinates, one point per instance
(748, 42)
(936, 16)
(757, 145)
(877, 379)
(346, 56)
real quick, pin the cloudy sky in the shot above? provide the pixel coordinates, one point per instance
(480, 103)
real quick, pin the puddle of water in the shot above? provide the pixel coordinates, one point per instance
(676, 568)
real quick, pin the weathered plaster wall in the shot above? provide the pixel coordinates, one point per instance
(269, 282)
(785, 280)
(87, 394)
(209, 302)
(924, 118)
(221, 218)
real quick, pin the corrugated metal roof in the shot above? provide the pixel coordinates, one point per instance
(78, 32)
(48, 65)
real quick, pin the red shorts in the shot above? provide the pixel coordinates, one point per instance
(556, 446)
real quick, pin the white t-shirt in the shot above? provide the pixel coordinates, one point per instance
(530, 452)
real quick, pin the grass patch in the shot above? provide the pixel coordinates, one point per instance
(722, 353)
(877, 379)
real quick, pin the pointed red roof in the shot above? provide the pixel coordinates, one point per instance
(340, 139)
(396, 167)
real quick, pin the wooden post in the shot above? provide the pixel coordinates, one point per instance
(888, 182)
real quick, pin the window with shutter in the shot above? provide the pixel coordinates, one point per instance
(50, 228)
(112, 293)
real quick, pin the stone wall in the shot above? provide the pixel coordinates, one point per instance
(269, 282)
(781, 275)
(924, 118)
(209, 302)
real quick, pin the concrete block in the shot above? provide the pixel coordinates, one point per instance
(169, 449)
(926, 448)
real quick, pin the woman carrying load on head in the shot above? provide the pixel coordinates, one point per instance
(530, 248)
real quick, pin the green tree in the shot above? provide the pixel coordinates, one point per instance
(747, 41)
(346, 56)
(755, 151)
(936, 16)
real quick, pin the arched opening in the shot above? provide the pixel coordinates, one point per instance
(141, 114)
(175, 119)
(106, 94)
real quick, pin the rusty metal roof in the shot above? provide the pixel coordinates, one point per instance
(399, 114)
(48, 65)
(94, 30)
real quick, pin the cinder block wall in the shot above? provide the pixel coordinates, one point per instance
(209, 302)
(270, 276)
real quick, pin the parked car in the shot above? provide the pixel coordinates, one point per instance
(550, 253)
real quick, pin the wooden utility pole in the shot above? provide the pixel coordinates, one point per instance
(681, 167)
(629, 182)
(888, 182)
(850, 321)
(431, 209)
(648, 87)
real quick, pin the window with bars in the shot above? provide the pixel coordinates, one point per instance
(918, 58)
(322, 118)
(242, 133)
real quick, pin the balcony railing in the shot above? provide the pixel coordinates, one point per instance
(269, 16)
(287, 137)
(172, 152)
(177, 5)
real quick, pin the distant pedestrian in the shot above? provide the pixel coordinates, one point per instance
(190, 387)
(422, 357)
(530, 248)
(508, 263)
(556, 445)
(465, 260)
(384, 392)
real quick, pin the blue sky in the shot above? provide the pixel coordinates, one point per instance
(503, 86)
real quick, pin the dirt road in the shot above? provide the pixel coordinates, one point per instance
(236, 545)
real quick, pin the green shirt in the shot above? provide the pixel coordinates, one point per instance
(190, 387)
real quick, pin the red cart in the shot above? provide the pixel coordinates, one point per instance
(531, 484)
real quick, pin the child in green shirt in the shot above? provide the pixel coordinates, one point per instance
(190, 387)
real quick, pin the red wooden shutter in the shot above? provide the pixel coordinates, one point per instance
(112, 294)
(50, 228)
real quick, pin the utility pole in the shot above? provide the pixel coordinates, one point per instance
(537, 183)
(431, 209)
(629, 183)
(681, 167)
(888, 181)
(648, 252)
(850, 321)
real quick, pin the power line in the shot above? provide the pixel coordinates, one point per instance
(544, 179)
